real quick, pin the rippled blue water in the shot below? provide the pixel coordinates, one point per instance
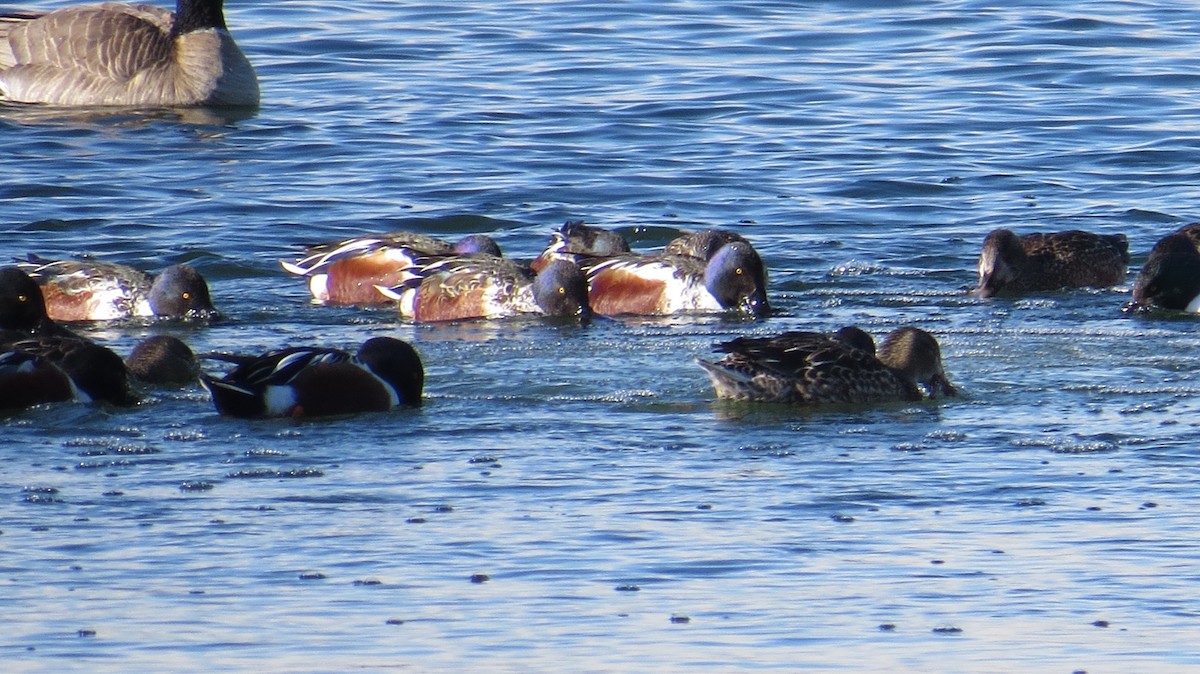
(623, 519)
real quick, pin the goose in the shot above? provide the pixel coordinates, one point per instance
(113, 54)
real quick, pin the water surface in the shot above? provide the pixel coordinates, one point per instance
(574, 497)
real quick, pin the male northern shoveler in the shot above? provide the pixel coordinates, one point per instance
(810, 368)
(1050, 261)
(311, 381)
(163, 360)
(576, 241)
(347, 271)
(702, 244)
(1170, 279)
(48, 358)
(90, 290)
(458, 288)
(732, 279)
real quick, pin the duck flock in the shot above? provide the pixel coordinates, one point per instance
(584, 271)
(135, 55)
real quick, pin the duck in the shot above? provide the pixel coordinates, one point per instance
(163, 360)
(812, 368)
(576, 241)
(347, 271)
(1170, 278)
(60, 368)
(733, 279)
(457, 288)
(114, 54)
(385, 373)
(702, 244)
(46, 356)
(93, 290)
(1050, 261)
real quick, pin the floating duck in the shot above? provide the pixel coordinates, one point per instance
(810, 368)
(576, 241)
(46, 362)
(311, 381)
(347, 271)
(459, 288)
(1041, 261)
(91, 290)
(163, 360)
(1170, 279)
(731, 279)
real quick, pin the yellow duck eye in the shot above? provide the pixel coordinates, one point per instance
(738, 271)
(187, 296)
(562, 291)
(22, 298)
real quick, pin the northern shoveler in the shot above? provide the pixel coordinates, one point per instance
(347, 271)
(1050, 261)
(702, 244)
(732, 279)
(163, 360)
(91, 290)
(1170, 279)
(810, 368)
(576, 241)
(486, 287)
(46, 352)
(312, 381)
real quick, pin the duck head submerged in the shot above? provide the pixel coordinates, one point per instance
(397, 363)
(736, 277)
(999, 262)
(1170, 279)
(561, 289)
(916, 355)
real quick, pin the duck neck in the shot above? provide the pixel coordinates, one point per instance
(193, 15)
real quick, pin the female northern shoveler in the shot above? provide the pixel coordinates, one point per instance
(45, 359)
(575, 241)
(733, 279)
(1170, 279)
(347, 271)
(809, 368)
(311, 381)
(90, 290)
(486, 287)
(1039, 261)
(162, 360)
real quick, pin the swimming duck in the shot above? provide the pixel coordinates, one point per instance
(60, 368)
(732, 279)
(702, 244)
(113, 54)
(91, 290)
(347, 271)
(1170, 279)
(458, 288)
(310, 381)
(163, 360)
(576, 241)
(810, 368)
(1041, 261)
(47, 351)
